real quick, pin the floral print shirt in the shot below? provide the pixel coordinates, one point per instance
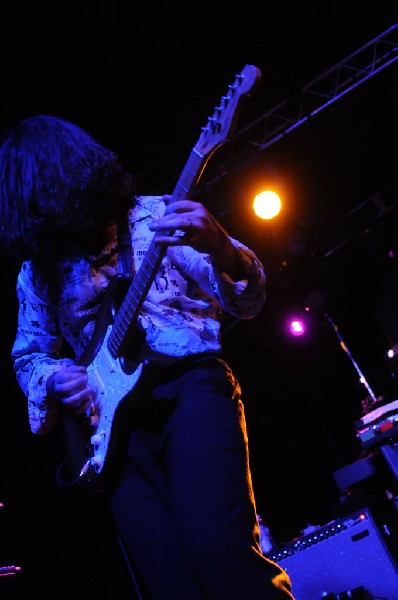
(181, 314)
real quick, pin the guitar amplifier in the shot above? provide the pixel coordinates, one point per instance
(340, 557)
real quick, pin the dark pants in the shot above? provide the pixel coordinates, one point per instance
(184, 507)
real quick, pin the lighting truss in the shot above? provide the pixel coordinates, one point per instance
(333, 85)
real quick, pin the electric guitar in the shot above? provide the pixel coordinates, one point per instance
(96, 442)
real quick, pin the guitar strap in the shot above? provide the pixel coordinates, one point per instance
(125, 259)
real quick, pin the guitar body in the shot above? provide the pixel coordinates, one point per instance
(96, 443)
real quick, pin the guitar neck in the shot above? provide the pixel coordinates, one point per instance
(125, 321)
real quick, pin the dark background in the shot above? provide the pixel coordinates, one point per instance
(143, 80)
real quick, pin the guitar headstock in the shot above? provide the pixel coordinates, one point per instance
(221, 124)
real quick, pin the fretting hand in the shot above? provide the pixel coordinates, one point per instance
(202, 232)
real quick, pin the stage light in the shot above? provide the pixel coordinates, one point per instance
(267, 204)
(393, 351)
(297, 326)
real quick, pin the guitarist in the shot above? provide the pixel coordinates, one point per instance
(183, 502)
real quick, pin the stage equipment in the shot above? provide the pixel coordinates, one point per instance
(343, 555)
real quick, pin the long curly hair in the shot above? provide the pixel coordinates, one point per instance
(58, 187)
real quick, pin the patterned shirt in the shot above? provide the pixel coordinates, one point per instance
(181, 313)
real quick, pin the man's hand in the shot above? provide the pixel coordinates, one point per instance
(191, 224)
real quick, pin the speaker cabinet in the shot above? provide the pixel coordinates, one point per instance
(339, 557)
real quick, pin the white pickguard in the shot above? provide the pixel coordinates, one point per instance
(112, 386)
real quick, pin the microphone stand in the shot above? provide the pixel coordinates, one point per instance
(343, 345)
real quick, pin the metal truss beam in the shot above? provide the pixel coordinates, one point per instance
(333, 85)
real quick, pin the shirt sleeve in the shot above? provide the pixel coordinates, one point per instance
(36, 350)
(242, 299)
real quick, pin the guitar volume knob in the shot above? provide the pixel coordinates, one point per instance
(96, 439)
(96, 461)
